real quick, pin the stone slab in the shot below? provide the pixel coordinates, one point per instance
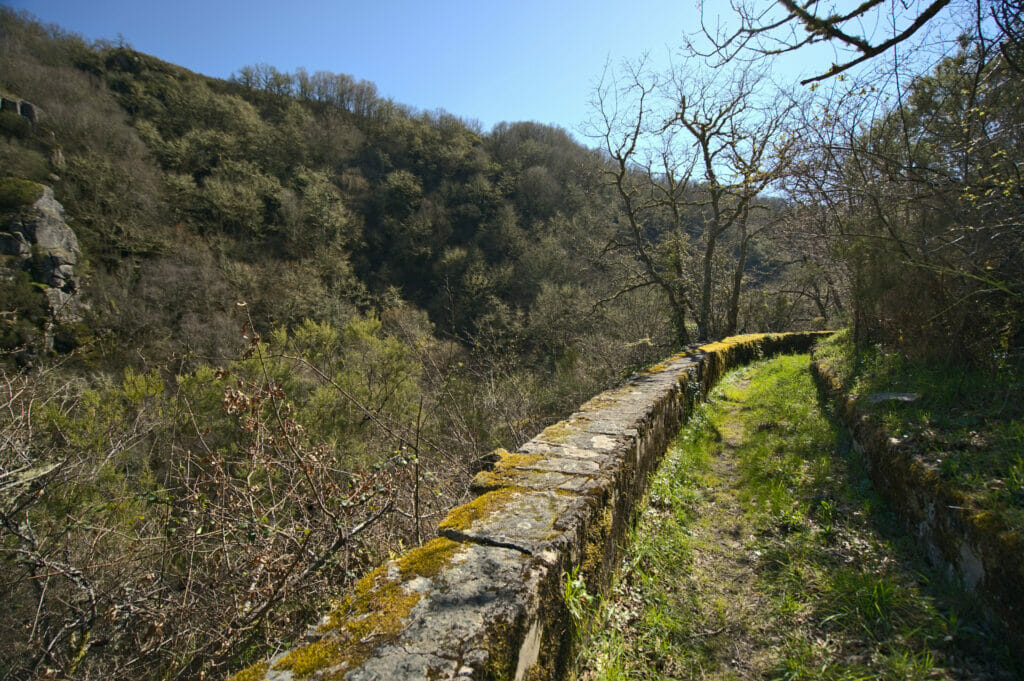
(539, 523)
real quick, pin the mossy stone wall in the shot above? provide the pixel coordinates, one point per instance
(974, 546)
(486, 599)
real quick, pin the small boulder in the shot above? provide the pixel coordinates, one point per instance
(876, 398)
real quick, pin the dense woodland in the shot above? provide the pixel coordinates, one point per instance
(303, 315)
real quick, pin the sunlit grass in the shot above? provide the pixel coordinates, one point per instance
(831, 590)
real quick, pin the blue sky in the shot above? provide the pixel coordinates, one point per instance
(478, 59)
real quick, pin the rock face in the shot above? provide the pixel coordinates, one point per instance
(20, 107)
(40, 238)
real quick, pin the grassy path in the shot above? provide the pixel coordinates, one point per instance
(763, 554)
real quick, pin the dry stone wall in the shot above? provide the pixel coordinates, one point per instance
(974, 546)
(485, 599)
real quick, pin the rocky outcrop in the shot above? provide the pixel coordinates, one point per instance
(486, 599)
(20, 107)
(38, 236)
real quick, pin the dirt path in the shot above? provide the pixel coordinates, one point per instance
(733, 631)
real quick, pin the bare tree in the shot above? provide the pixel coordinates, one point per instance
(689, 153)
(767, 30)
(787, 26)
(920, 206)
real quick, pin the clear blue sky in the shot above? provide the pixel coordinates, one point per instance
(478, 59)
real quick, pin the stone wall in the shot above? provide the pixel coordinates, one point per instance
(485, 599)
(974, 546)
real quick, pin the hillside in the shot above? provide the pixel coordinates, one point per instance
(244, 316)
(258, 334)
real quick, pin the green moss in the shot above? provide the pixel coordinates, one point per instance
(316, 656)
(517, 459)
(372, 614)
(375, 598)
(486, 481)
(252, 673)
(725, 347)
(16, 193)
(504, 473)
(395, 605)
(988, 523)
(502, 646)
(597, 540)
(428, 560)
(462, 517)
(560, 432)
(599, 402)
(655, 368)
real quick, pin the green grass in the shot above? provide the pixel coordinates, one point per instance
(968, 422)
(764, 553)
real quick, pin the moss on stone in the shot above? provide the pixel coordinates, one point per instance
(559, 432)
(374, 613)
(305, 660)
(391, 605)
(462, 517)
(517, 459)
(504, 473)
(599, 402)
(664, 364)
(486, 481)
(251, 673)
(596, 545)
(502, 644)
(429, 559)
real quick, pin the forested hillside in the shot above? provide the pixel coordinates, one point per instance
(285, 321)
(257, 334)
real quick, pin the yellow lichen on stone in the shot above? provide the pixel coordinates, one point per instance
(429, 559)
(251, 673)
(307, 659)
(560, 432)
(372, 614)
(462, 517)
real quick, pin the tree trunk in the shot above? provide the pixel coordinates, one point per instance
(679, 320)
(703, 322)
(737, 279)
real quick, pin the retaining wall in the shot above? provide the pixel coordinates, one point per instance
(485, 599)
(974, 546)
